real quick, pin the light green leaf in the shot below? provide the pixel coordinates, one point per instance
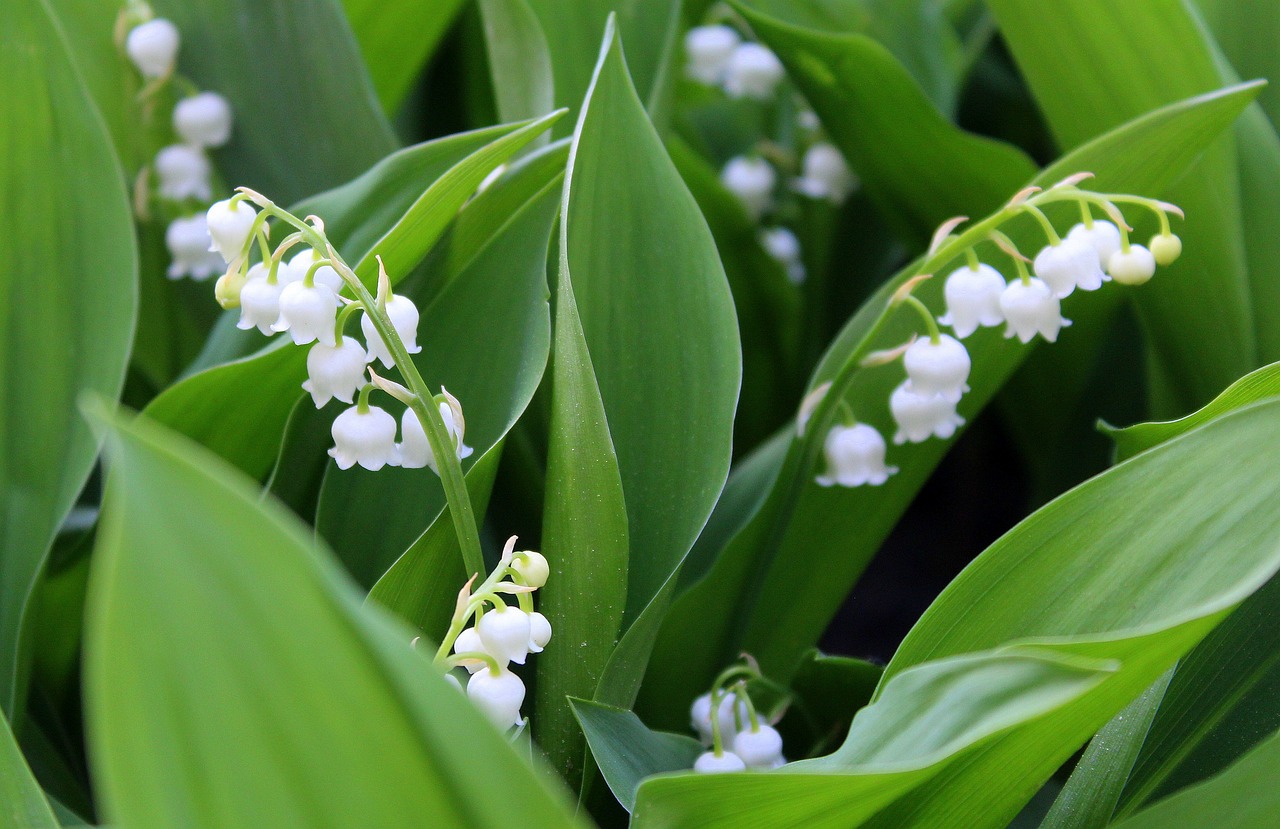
(397, 38)
(627, 751)
(68, 300)
(22, 804)
(241, 683)
(519, 59)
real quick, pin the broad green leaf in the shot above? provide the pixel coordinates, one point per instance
(241, 683)
(804, 540)
(1245, 796)
(927, 717)
(1247, 31)
(627, 751)
(397, 38)
(828, 691)
(68, 300)
(519, 59)
(306, 117)
(1254, 386)
(22, 804)
(918, 167)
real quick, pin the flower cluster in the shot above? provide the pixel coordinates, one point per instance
(502, 634)
(200, 121)
(302, 295)
(1093, 252)
(726, 716)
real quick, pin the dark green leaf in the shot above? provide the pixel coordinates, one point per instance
(22, 804)
(519, 59)
(397, 38)
(628, 752)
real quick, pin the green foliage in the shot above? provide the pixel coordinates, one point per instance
(23, 804)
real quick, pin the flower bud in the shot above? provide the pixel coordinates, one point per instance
(826, 174)
(469, 642)
(1032, 309)
(920, 417)
(498, 696)
(505, 632)
(367, 438)
(752, 71)
(184, 173)
(1133, 266)
(308, 313)
(187, 239)
(335, 371)
(153, 47)
(759, 748)
(259, 301)
(1166, 248)
(708, 49)
(415, 449)
(939, 368)
(532, 567)
(1103, 237)
(1069, 265)
(404, 318)
(539, 632)
(228, 288)
(973, 299)
(229, 227)
(855, 456)
(203, 120)
(700, 717)
(712, 763)
(752, 181)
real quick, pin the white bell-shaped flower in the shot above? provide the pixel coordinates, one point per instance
(335, 371)
(184, 173)
(752, 71)
(259, 301)
(498, 696)
(404, 318)
(1133, 266)
(539, 632)
(367, 438)
(230, 227)
(700, 717)
(782, 245)
(855, 456)
(308, 313)
(939, 368)
(1166, 248)
(469, 642)
(712, 763)
(187, 239)
(415, 449)
(505, 633)
(973, 299)
(203, 120)
(1069, 265)
(1104, 237)
(1031, 308)
(325, 275)
(752, 180)
(153, 47)
(760, 747)
(826, 175)
(922, 416)
(708, 49)
(532, 567)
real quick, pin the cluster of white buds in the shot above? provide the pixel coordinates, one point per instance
(717, 56)
(303, 297)
(502, 634)
(727, 722)
(937, 365)
(200, 121)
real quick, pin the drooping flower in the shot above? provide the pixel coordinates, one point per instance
(973, 299)
(939, 368)
(297, 267)
(468, 641)
(1166, 248)
(1104, 237)
(753, 72)
(365, 437)
(783, 246)
(1068, 265)
(539, 632)
(1133, 266)
(498, 695)
(920, 417)
(335, 371)
(259, 301)
(230, 226)
(308, 313)
(712, 763)
(708, 49)
(531, 566)
(184, 173)
(187, 239)
(203, 120)
(153, 47)
(759, 747)
(1030, 308)
(415, 449)
(505, 632)
(826, 175)
(700, 717)
(752, 180)
(855, 456)
(404, 318)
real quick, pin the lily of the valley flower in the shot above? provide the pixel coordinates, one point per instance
(752, 71)
(1068, 265)
(187, 239)
(1104, 237)
(153, 47)
(499, 695)
(1166, 248)
(783, 246)
(308, 313)
(229, 227)
(504, 632)
(920, 417)
(259, 301)
(700, 717)
(539, 632)
(972, 295)
(826, 174)
(468, 641)
(203, 120)
(365, 437)
(297, 267)
(1133, 266)
(1031, 308)
(531, 566)
(939, 368)
(752, 180)
(712, 763)
(404, 318)
(184, 173)
(708, 49)
(759, 747)
(855, 456)
(415, 449)
(335, 371)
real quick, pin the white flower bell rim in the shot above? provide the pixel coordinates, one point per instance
(708, 49)
(920, 417)
(539, 632)
(505, 632)
(1030, 308)
(335, 371)
(1103, 237)
(972, 296)
(404, 318)
(855, 457)
(826, 175)
(308, 313)
(468, 641)
(1069, 265)
(187, 240)
(184, 173)
(364, 435)
(153, 47)
(498, 695)
(752, 71)
(415, 449)
(203, 119)
(939, 368)
(259, 301)
(230, 225)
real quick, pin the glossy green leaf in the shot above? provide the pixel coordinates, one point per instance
(919, 168)
(1245, 796)
(627, 751)
(68, 299)
(519, 59)
(22, 804)
(241, 683)
(1254, 386)
(306, 117)
(828, 690)
(397, 38)
(1247, 31)
(927, 717)
(804, 540)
